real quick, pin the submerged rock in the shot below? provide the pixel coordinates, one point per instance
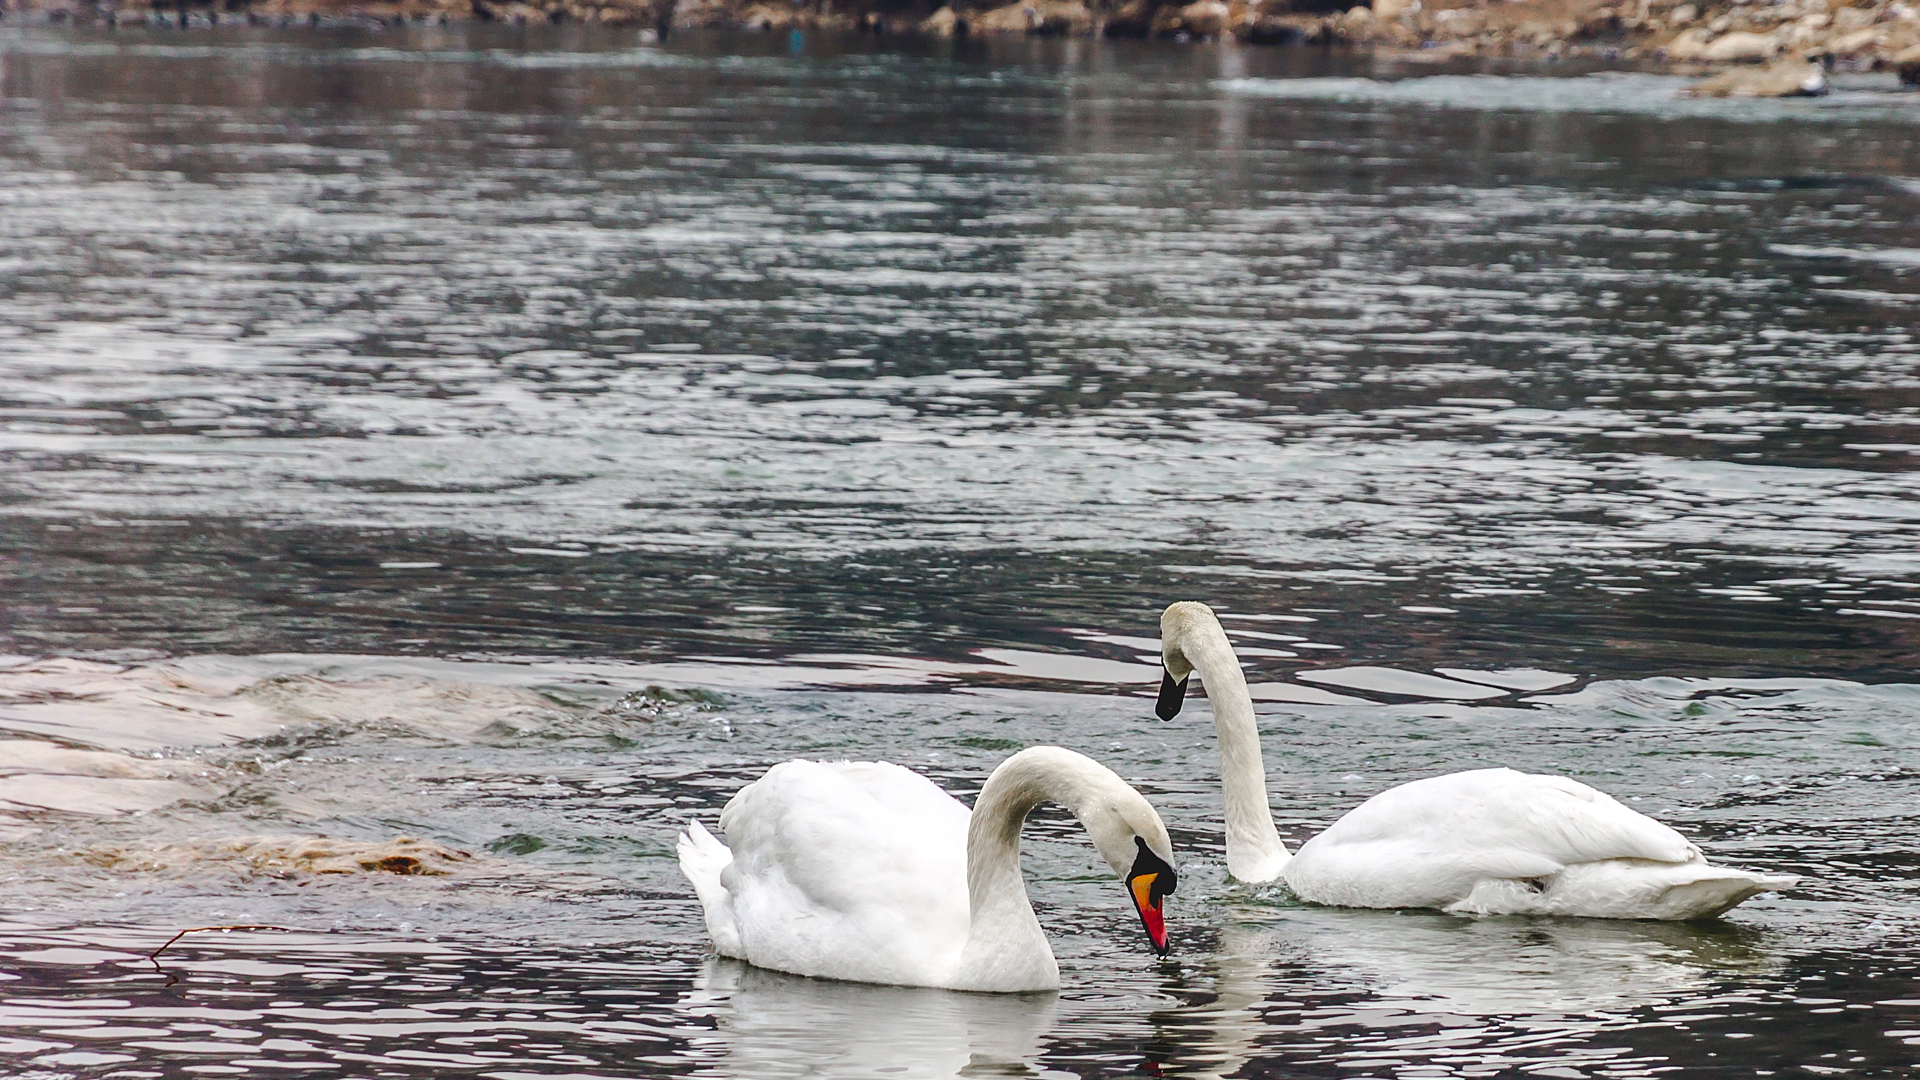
(287, 856)
(1785, 78)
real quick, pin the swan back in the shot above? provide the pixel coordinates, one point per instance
(1428, 843)
(836, 863)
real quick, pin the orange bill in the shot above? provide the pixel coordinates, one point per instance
(1149, 883)
(1152, 913)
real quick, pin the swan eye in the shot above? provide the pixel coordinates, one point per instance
(1172, 695)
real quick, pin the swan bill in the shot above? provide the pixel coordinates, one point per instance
(1149, 882)
(1172, 695)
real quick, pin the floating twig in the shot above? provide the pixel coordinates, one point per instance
(154, 956)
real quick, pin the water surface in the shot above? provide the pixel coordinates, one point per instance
(518, 439)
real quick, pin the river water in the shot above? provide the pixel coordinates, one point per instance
(516, 439)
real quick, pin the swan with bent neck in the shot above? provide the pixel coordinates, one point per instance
(1488, 841)
(868, 872)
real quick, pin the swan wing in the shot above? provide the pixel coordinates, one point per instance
(1430, 842)
(848, 870)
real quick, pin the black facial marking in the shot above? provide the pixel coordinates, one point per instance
(1149, 863)
(1172, 695)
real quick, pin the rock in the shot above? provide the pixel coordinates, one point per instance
(944, 23)
(1598, 23)
(767, 17)
(1133, 19)
(286, 856)
(1689, 45)
(1796, 36)
(1739, 45)
(1907, 63)
(1012, 19)
(1793, 77)
(1063, 17)
(1278, 30)
(1200, 19)
(1390, 9)
(1682, 15)
(1204, 18)
(1037, 17)
(1855, 43)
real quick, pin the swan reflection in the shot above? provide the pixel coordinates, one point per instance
(771, 1025)
(1517, 964)
(1332, 984)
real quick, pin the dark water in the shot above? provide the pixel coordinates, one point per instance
(387, 418)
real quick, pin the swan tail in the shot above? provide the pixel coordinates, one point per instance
(703, 858)
(1711, 897)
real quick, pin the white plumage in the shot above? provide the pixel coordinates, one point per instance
(867, 871)
(1489, 841)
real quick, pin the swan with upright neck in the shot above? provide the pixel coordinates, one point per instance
(868, 872)
(1488, 841)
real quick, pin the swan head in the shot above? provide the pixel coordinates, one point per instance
(1122, 824)
(1134, 841)
(1185, 628)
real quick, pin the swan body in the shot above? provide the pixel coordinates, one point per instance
(869, 872)
(1485, 842)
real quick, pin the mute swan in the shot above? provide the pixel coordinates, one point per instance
(1485, 842)
(868, 872)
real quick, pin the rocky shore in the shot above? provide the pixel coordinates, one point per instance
(1759, 47)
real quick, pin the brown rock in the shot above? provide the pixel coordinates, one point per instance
(1739, 45)
(1204, 18)
(767, 17)
(1688, 45)
(1012, 19)
(1855, 43)
(1282, 30)
(1132, 19)
(1793, 77)
(1037, 17)
(944, 23)
(287, 856)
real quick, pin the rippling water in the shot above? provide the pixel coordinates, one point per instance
(517, 440)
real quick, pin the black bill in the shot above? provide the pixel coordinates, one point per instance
(1172, 695)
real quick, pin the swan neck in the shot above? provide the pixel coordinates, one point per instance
(1254, 850)
(1006, 947)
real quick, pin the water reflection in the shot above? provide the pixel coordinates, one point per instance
(1357, 989)
(768, 1024)
(1510, 966)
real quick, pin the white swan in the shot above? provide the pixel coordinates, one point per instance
(869, 872)
(1489, 842)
